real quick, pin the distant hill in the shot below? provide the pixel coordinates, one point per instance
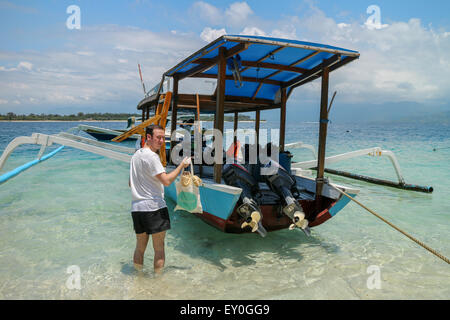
(440, 117)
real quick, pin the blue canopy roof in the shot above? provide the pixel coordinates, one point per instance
(266, 64)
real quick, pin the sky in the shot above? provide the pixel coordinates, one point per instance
(48, 66)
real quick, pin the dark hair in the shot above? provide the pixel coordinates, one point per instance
(150, 128)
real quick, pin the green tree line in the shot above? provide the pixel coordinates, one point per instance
(80, 116)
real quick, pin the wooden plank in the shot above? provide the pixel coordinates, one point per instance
(282, 119)
(257, 90)
(162, 123)
(205, 66)
(333, 67)
(294, 64)
(197, 116)
(247, 79)
(231, 108)
(323, 124)
(219, 117)
(157, 119)
(271, 53)
(257, 123)
(264, 65)
(190, 99)
(139, 129)
(309, 56)
(314, 71)
(235, 127)
(275, 66)
(204, 51)
(173, 124)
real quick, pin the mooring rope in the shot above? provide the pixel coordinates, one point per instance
(437, 254)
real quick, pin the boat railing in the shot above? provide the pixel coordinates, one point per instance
(67, 139)
(375, 151)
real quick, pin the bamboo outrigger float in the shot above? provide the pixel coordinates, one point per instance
(253, 74)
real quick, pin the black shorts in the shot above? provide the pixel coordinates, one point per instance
(151, 221)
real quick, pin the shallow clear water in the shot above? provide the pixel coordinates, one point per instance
(73, 209)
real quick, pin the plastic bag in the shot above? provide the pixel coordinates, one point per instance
(188, 193)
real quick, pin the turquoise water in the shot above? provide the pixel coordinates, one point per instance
(73, 209)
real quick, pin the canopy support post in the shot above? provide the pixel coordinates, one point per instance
(323, 124)
(257, 120)
(282, 118)
(235, 128)
(219, 117)
(173, 123)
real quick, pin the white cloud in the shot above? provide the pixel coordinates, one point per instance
(253, 31)
(238, 12)
(208, 34)
(343, 25)
(405, 61)
(236, 15)
(208, 12)
(85, 53)
(375, 25)
(287, 32)
(67, 79)
(25, 65)
(123, 48)
(2, 68)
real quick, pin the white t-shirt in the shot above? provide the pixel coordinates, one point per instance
(146, 190)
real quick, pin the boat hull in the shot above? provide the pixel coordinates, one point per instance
(106, 136)
(219, 210)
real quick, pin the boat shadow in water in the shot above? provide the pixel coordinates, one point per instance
(193, 237)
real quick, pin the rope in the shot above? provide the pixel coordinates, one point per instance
(396, 228)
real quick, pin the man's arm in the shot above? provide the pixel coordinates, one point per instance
(167, 178)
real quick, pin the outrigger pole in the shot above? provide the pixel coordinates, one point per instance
(398, 185)
(5, 177)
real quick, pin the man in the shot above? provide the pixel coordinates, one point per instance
(149, 210)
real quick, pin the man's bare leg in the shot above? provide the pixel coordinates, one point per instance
(158, 246)
(141, 245)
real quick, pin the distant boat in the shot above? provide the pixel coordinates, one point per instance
(104, 134)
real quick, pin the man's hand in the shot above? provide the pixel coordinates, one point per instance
(167, 178)
(186, 162)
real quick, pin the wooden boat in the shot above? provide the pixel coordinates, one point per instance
(104, 134)
(253, 74)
